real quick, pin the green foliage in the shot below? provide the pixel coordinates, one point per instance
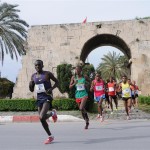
(93, 108)
(30, 104)
(64, 75)
(113, 65)
(17, 105)
(65, 104)
(144, 100)
(138, 18)
(88, 69)
(6, 87)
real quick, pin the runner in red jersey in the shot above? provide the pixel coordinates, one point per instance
(112, 94)
(99, 93)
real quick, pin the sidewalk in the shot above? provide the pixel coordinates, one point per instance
(35, 118)
(71, 115)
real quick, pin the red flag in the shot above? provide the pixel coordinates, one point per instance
(85, 20)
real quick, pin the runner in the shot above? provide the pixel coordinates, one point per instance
(41, 84)
(98, 87)
(132, 87)
(126, 95)
(106, 95)
(81, 94)
(136, 96)
(112, 94)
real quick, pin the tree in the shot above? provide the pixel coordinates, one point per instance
(113, 65)
(13, 31)
(64, 74)
(6, 88)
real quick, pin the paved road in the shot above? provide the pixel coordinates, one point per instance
(110, 135)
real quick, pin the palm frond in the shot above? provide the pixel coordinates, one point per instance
(13, 31)
(112, 65)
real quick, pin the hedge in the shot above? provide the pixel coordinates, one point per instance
(144, 100)
(65, 104)
(30, 104)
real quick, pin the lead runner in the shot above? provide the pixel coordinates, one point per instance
(41, 84)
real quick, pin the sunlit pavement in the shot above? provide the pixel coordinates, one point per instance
(108, 135)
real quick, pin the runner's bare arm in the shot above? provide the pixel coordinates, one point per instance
(72, 82)
(92, 86)
(87, 78)
(56, 84)
(119, 88)
(31, 84)
(138, 88)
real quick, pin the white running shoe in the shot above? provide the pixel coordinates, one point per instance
(98, 116)
(101, 118)
(128, 118)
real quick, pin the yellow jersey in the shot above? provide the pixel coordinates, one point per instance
(126, 91)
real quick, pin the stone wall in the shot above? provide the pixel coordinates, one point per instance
(55, 44)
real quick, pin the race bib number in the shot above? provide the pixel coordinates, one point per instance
(111, 89)
(80, 87)
(126, 93)
(39, 88)
(99, 88)
(133, 92)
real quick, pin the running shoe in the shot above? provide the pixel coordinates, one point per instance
(116, 109)
(87, 125)
(54, 116)
(101, 118)
(129, 110)
(111, 113)
(49, 140)
(128, 118)
(98, 116)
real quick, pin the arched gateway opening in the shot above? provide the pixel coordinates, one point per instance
(104, 40)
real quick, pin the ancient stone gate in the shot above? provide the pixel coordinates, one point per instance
(56, 44)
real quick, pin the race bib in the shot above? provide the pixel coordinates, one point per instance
(80, 87)
(39, 88)
(111, 89)
(99, 88)
(133, 92)
(126, 93)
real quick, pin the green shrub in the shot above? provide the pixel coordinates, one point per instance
(65, 104)
(64, 75)
(144, 100)
(93, 108)
(17, 105)
(6, 87)
(30, 104)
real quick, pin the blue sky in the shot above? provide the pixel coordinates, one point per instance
(41, 12)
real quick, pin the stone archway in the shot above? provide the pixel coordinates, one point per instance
(68, 43)
(104, 40)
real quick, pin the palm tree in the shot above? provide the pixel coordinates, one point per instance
(113, 65)
(13, 31)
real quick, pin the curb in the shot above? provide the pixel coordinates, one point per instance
(61, 118)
